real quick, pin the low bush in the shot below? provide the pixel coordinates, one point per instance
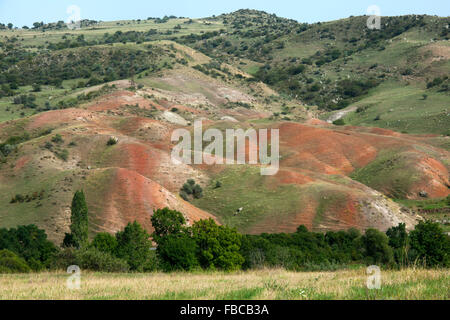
(191, 189)
(112, 141)
(63, 154)
(89, 259)
(57, 139)
(339, 122)
(12, 263)
(96, 260)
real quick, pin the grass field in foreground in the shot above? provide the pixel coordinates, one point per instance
(255, 285)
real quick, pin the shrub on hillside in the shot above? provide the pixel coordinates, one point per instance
(197, 192)
(57, 139)
(339, 122)
(184, 196)
(190, 188)
(63, 154)
(112, 141)
(187, 188)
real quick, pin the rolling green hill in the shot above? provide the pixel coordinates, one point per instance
(64, 93)
(330, 65)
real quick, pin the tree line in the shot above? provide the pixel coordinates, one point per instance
(205, 245)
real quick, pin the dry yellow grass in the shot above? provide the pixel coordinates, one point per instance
(255, 285)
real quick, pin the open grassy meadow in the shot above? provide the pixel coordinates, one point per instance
(409, 284)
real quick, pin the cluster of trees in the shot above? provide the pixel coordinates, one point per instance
(100, 65)
(11, 144)
(59, 25)
(204, 245)
(209, 246)
(252, 23)
(327, 56)
(6, 26)
(354, 88)
(292, 78)
(208, 70)
(6, 90)
(117, 37)
(276, 75)
(191, 190)
(19, 198)
(427, 246)
(25, 248)
(128, 249)
(256, 36)
(441, 83)
(391, 27)
(27, 100)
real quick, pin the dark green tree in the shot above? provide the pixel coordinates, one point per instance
(133, 246)
(177, 252)
(30, 243)
(430, 245)
(69, 241)
(105, 242)
(79, 220)
(302, 229)
(376, 247)
(218, 246)
(166, 222)
(398, 240)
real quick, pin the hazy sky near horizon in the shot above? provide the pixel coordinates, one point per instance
(25, 12)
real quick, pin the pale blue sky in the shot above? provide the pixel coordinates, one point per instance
(25, 12)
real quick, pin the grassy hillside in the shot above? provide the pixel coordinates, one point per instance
(331, 64)
(245, 188)
(138, 80)
(408, 109)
